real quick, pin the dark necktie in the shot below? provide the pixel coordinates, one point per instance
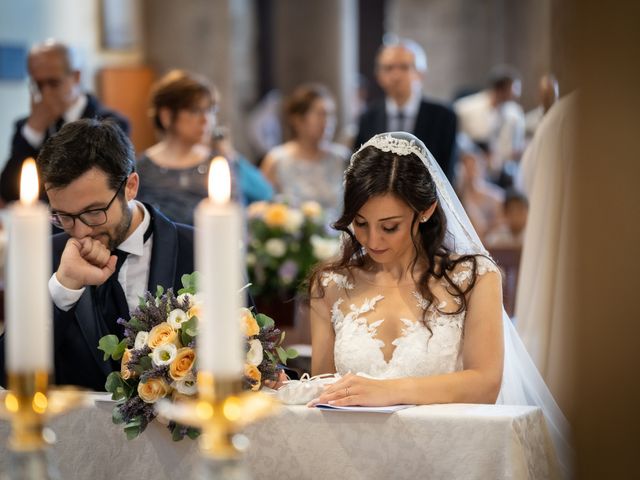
(111, 299)
(59, 124)
(401, 120)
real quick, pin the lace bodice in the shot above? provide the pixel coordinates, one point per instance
(363, 313)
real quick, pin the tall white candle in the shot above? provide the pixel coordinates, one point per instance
(218, 227)
(28, 306)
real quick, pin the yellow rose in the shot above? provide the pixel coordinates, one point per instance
(182, 364)
(254, 374)
(311, 209)
(249, 325)
(153, 390)
(125, 372)
(276, 215)
(195, 311)
(162, 334)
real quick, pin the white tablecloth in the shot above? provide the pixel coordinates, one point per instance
(436, 442)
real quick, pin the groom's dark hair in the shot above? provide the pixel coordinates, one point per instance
(82, 145)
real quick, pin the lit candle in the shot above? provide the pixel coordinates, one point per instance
(28, 306)
(218, 227)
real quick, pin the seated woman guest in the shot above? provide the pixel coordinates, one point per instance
(174, 171)
(411, 313)
(309, 166)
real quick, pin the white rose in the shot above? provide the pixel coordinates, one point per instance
(141, 340)
(164, 354)
(294, 220)
(275, 247)
(257, 209)
(324, 248)
(176, 318)
(187, 385)
(255, 354)
(185, 298)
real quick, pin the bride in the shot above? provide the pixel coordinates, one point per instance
(412, 311)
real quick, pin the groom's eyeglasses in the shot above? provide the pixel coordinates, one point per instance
(91, 218)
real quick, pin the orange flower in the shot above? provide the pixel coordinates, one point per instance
(153, 390)
(249, 325)
(125, 372)
(276, 215)
(254, 374)
(162, 334)
(182, 364)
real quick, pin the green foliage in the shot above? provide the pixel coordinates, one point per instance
(117, 387)
(190, 283)
(133, 428)
(264, 321)
(189, 330)
(112, 347)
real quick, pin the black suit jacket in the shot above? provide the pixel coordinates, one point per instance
(21, 149)
(436, 126)
(77, 332)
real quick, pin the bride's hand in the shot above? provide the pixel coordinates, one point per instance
(353, 390)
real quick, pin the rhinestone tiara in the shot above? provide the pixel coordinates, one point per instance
(400, 146)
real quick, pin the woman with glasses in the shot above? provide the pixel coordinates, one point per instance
(173, 172)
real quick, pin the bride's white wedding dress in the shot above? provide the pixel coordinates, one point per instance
(422, 348)
(363, 313)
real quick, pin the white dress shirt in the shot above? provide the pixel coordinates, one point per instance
(409, 110)
(133, 275)
(73, 113)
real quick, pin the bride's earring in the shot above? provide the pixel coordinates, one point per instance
(423, 219)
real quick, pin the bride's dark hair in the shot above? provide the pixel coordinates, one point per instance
(373, 172)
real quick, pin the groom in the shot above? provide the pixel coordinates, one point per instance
(113, 248)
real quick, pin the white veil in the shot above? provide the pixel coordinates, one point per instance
(522, 384)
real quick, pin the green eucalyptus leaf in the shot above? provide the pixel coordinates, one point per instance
(115, 386)
(189, 283)
(282, 354)
(116, 415)
(291, 353)
(108, 344)
(133, 428)
(264, 321)
(190, 327)
(159, 291)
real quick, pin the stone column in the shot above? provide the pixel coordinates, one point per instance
(317, 41)
(210, 37)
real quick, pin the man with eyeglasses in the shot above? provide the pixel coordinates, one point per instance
(56, 99)
(112, 250)
(400, 68)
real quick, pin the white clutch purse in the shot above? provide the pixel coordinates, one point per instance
(301, 392)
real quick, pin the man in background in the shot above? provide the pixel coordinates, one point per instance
(493, 119)
(56, 99)
(400, 68)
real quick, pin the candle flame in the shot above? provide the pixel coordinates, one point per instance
(29, 182)
(219, 181)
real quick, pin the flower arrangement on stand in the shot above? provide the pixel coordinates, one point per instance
(284, 244)
(158, 356)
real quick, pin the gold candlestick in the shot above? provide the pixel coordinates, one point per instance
(29, 404)
(221, 411)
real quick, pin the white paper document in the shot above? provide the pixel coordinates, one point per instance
(389, 409)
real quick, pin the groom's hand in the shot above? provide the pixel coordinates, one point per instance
(85, 261)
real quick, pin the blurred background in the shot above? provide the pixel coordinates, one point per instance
(249, 48)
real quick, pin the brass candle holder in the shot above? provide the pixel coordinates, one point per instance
(29, 404)
(221, 411)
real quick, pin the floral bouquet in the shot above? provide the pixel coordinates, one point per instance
(158, 356)
(285, 242)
